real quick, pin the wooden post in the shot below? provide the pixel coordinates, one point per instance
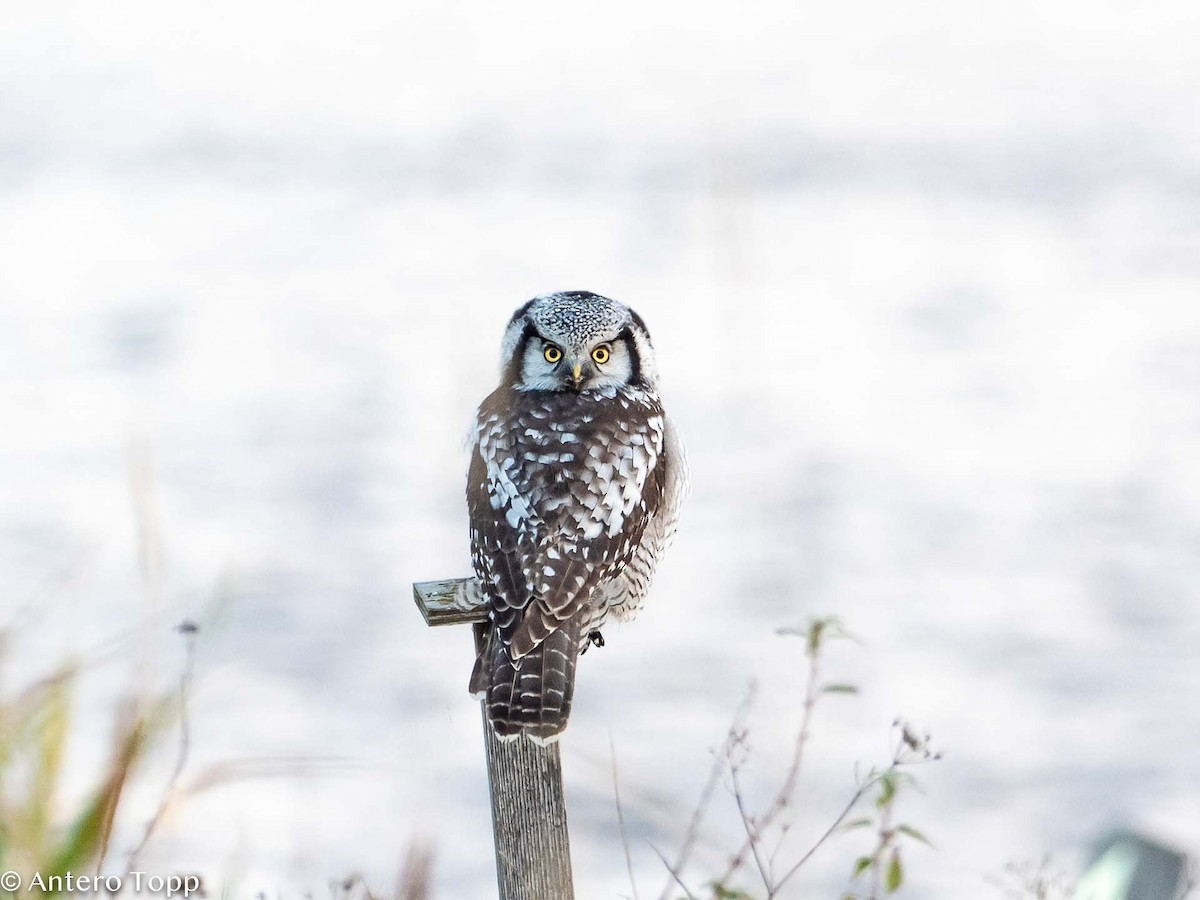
(529, 812)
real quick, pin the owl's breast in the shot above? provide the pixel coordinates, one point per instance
(583, 463)
(568, 464)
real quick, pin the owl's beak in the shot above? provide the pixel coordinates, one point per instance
(577, 373)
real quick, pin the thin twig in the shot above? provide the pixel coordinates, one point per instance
(784, 829)
(710, 786)
(621, 816)
(693, 829)
(188, 630)
(858, 795)
(752, 833)
(908, 751)
(784, 796)
(674, 875)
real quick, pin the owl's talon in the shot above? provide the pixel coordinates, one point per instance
(594, 639)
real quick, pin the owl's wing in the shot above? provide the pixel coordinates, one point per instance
(563, 586)
(497, 554)
(664, 494)
(598, 524)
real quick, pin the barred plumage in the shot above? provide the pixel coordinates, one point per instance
(573, 493)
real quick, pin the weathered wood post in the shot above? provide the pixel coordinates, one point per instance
(529, 813)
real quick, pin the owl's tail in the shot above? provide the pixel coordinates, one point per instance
(531, 695)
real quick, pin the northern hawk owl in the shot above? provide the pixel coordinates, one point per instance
(574, 488)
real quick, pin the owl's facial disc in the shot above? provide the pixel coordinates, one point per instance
(576, 341)
(551, 366)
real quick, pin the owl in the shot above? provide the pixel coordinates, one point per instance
(573, 491)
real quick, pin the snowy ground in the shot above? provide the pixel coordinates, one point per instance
(925, 284)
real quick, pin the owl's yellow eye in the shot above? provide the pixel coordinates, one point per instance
(552, 353)
(601, 354)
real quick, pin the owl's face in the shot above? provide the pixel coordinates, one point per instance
(576, 341)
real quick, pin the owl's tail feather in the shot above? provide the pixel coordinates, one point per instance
(531, 695)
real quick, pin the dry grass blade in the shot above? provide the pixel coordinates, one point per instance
(621, 817)
(188, 630)
(415, 873)
(89, 835)
(233, 770)
(50, 743)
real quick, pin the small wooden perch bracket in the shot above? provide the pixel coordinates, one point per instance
(457, 601)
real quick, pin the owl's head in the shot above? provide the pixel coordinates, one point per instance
(576, 341)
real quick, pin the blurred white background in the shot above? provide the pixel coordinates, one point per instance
(924, 279)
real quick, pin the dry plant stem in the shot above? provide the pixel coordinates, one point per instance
(784, 828)
(900, 757)
(185, 740)
(885, 827)
(693, 829)
(752, 834)
(621, 817)
(783, 798)
(127, 751)
(674, 877)
(714, 776)
(858, 795)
